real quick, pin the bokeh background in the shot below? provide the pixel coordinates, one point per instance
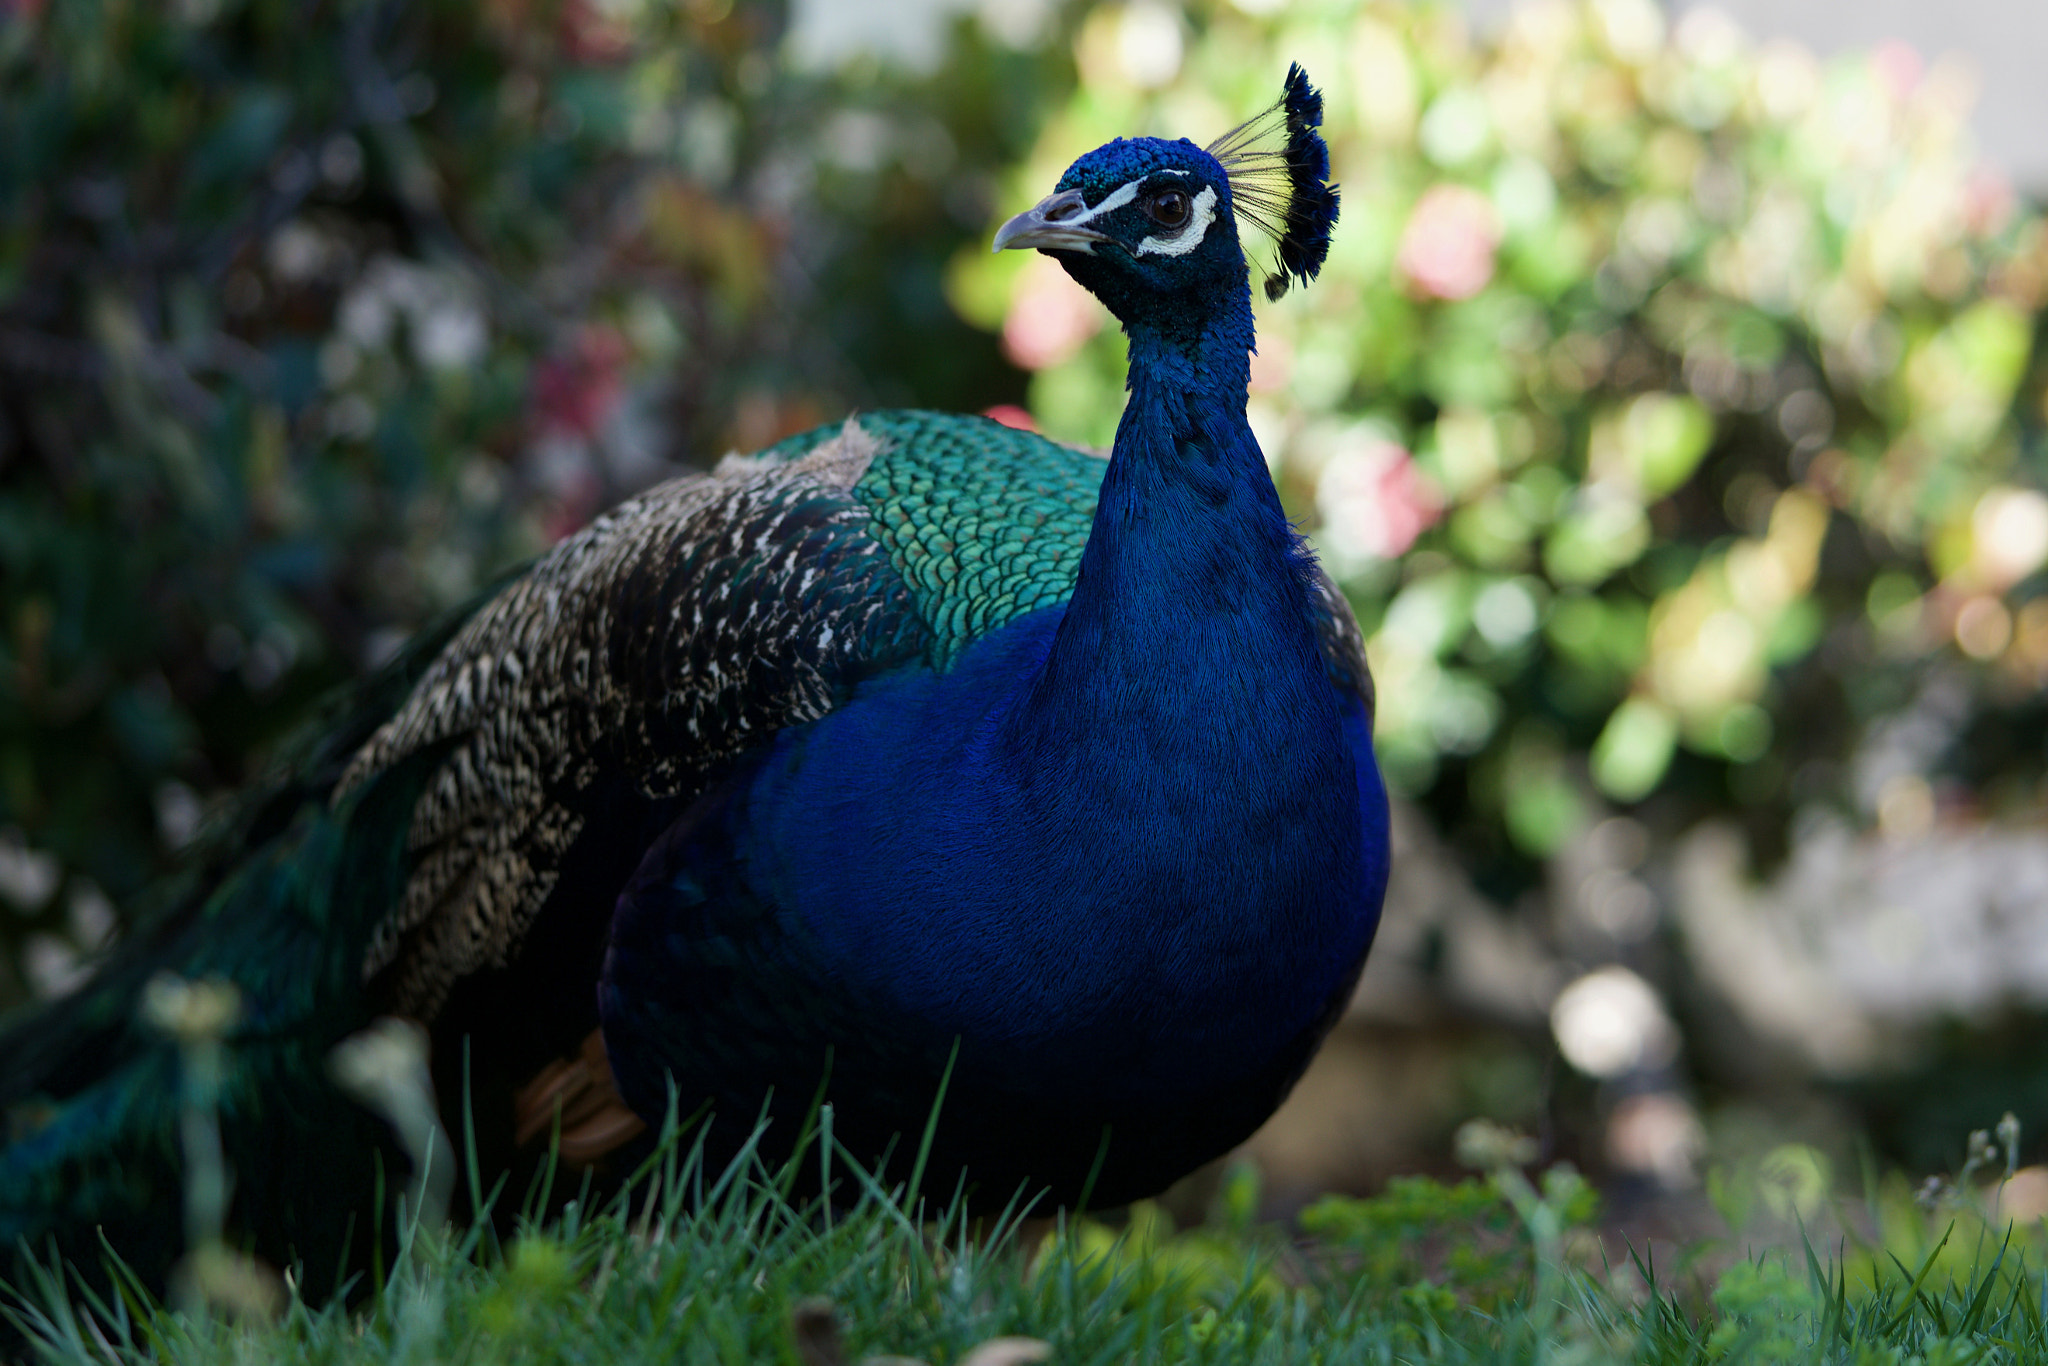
(1671, 408)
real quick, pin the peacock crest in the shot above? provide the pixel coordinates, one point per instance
(1279, 169)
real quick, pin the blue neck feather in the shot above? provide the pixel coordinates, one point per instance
(1191, 561)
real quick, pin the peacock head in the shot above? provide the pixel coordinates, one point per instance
(1141, 220)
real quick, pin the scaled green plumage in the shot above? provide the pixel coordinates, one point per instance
(984, 522)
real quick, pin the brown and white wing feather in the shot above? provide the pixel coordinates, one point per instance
(665, 638)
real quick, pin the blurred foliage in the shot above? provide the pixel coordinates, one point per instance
(1669, 406)
(315, 314)
(1423, 1259)
(1973, 1070)
(1982, 1225)
(1424, 1242)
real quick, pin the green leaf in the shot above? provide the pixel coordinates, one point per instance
(1634, 749)
(1607, 531)
(1664, 436)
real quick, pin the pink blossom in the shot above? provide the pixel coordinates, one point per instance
(1898, 69)
(591, 36)
(1010, 415)
(575, 392)
(1374, 501)
(1271, 364)
(1050, 316)
(1988, 202)
(573, 395)
(1447, 248)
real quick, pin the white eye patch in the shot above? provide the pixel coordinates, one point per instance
(1191, 233)
(1111, 202)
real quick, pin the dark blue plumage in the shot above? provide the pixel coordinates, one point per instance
(914, 745)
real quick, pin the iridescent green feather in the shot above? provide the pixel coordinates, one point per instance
(983, 521)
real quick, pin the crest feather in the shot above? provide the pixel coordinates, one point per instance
(1284, 189)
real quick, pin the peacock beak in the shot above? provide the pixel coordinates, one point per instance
(1053, 224)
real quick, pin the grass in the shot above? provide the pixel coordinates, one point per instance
(691, 1265)
(695, 1266)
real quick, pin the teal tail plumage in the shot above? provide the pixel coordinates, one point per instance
(279, 903)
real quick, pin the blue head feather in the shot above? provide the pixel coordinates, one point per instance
(1121, 160)
(1171, 276)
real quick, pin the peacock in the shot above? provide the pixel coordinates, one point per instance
(917, 763)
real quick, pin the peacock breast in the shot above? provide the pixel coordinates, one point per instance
(1109, 913)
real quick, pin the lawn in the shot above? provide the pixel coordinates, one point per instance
(694, 1266)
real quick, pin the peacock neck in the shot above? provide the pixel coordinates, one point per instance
(1174, 778)
(1192, 573)
(1187, 356)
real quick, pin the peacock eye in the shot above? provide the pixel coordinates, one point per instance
(1168, 208)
